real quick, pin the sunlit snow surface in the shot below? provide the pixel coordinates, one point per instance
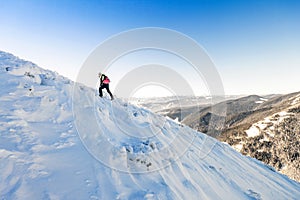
(54, 148)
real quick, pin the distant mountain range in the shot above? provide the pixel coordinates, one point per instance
(178, 106)
(264, 127)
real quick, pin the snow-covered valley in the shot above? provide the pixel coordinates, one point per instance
(59, 140)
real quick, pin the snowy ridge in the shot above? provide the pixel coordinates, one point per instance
(54, 148)
(267, 124)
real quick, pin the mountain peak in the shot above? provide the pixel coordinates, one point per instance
(54, 146)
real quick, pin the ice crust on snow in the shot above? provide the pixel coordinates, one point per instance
(46, 152)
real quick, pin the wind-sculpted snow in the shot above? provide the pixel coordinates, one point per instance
(54, 146)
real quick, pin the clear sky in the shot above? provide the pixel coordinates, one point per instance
(255, 44)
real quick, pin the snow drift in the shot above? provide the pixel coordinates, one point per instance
(56, 147)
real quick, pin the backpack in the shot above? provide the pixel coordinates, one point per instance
(106, 80)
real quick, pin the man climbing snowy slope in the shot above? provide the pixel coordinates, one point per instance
(104, 83)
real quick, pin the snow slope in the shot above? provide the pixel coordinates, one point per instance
(56, 147)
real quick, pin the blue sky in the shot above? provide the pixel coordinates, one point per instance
(254, 44)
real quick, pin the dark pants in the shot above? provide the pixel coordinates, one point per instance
(106, 86)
